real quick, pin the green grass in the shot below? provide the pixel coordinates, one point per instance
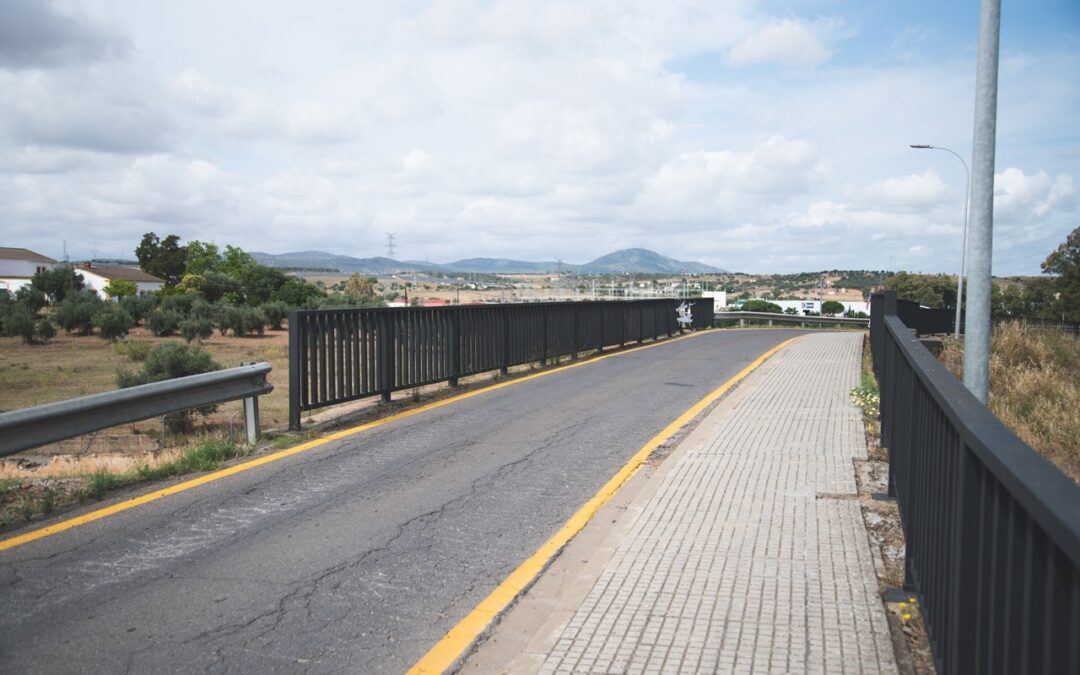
(205, 456)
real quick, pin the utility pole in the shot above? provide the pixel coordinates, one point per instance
(977, 330)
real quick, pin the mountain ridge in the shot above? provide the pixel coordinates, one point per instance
(623, 261)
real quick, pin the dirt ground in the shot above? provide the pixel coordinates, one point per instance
(69, 366)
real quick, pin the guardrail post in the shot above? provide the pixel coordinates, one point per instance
(295, 328)
(251, 415)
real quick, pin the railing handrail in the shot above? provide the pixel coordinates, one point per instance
(860, 321)
(1051, 498)
(481, 305)
(42, 424)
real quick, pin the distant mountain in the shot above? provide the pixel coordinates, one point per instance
(644, 261)
(320, 260)
(631, 260)
(503, 266)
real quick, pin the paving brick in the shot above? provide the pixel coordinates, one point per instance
(736, 564)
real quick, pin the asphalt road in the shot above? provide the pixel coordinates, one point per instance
(356, 556)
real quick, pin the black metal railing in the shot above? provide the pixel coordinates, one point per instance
(992, 529)
(342, 355)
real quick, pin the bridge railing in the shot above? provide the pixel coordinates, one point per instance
(992, 529)
(752, 318)
(336, 356)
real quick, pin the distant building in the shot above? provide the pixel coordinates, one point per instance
(18, 265)
(96, 278)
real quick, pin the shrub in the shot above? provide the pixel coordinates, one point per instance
(19, 322)
(57, 282)
(196, 328)
(168, 361)
(227, 316)
(275, 313)
(76, 312)
(163, 323)
(120, 288)
(45, 328)
(135, 350)
(201, 309)
(179, 303)
(113, 322)
(138, 307)
(761, 306)
(253, 321)
(31, 298)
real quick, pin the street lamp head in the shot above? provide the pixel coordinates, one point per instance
(923, 147)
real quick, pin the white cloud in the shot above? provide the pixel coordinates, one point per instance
(787, 42)
(912, 191)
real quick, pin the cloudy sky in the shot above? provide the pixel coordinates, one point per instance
(756, 136)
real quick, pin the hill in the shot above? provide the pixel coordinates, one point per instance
(640, 260)
(631, 260)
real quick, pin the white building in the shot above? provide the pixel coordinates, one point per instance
(96, 278)
(803, 306)
(18, 265)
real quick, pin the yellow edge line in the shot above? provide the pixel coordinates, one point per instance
(251, 464)
(454, 644)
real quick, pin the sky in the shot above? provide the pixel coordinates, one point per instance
(754, 136)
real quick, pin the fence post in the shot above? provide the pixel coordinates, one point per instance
(386, 356)
(544, 333)
(505, 309)
(296, 326)
(455, 346)
(574, 346)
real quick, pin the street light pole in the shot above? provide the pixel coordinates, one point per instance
(963, 252)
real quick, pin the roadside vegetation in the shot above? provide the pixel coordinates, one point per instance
(21, 500)
(1034, 388)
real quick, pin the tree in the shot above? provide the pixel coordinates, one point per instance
(202, 257)
(260, 283)
(360, 290)
(120, 288)
(1065, 263)
(165, 259)
(57, 282)
(832, 308)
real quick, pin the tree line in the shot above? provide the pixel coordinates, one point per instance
(205, 288)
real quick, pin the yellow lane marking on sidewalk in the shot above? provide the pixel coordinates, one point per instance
(297, 449)
(454, 645)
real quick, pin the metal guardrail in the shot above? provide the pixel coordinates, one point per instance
(992, 529)
(31, 427)
(752, 317)
(343, 355)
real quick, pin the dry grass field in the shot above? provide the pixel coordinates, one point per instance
(68, 366)
(1034, 388)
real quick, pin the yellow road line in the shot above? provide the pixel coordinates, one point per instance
(98, 514)
(454, 644)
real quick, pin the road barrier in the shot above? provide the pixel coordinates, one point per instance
(31, 427)
(723, 319)
(343, 355)
(992, 529)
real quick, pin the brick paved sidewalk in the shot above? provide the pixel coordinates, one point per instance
(752, 555)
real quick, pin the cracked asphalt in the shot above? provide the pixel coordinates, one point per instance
(356, 556)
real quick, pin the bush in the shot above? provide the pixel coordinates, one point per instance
(201, 309)
(135, 350)
(253, 321)
(275, 313)
(179, 303)
(113, 322)
(761, 306)
(31, 298)
(163, 323)
(76, 312)
(227, 317)
(45, 328)
(168, 361)
(58, 282)
(196, 328)
(138, 307)
(19, 322)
